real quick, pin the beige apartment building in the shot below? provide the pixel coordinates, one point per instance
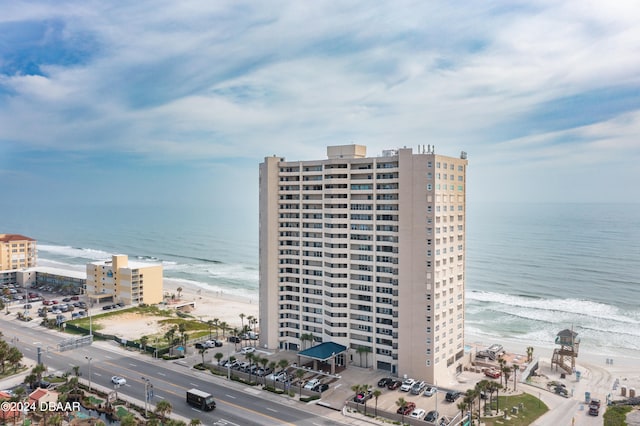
(17, 252)
(368, 253)
(120, 280)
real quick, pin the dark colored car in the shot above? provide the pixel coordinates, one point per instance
(233, 339)
(321, 387)
(361, 398)
(395, 384)
(452, 396)
(431, 416)
(384, 382)
(407, 408)
(106, 307)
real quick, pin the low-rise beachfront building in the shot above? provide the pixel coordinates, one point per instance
(63, 280)
(120, 280)
(368, 253)
(17, 252)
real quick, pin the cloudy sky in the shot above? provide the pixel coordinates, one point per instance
(154, 102)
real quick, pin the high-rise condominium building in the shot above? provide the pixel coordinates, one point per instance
(368, 253)
(119, 280)
(17, 252)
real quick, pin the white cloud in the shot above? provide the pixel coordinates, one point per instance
(207, 80)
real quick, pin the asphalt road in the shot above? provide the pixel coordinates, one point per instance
(236, 404)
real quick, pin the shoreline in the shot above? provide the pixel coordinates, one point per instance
(226, 307)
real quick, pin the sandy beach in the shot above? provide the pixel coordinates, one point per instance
(209, 305)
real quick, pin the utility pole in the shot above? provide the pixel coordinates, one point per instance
(88, 358)
(148, 393)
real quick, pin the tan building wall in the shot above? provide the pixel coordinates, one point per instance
(367, 252)
(17, 252)
(130, 283)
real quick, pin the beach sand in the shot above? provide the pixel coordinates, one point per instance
(209, 305)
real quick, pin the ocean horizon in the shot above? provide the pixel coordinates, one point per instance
(532, 269)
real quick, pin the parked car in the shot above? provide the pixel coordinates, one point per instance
(452, 396)
(263, 372)
(418, 413)
(27, 306)
(408, 408)
(406, 385)
(429, 391)
(362, 397)
(321, 387)
(311, 384)
(233, 339)
(594, 411)
(492, 372)
(281, 377)
(248, 350)
(117, 380)
(417, 388)
(394, 384)
(432, 416)
(384, 382)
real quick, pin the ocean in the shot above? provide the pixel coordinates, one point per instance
(532, 269)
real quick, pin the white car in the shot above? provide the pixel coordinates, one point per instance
(248, 350)
(429, 391)
(406, 385)
(312, 383)
(418, 413)
(117, 380)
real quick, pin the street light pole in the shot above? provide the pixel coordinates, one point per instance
(148, 389)
(88, 358)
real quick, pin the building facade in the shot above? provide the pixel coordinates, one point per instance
(119, 280)
(369, 253)
(17, 252)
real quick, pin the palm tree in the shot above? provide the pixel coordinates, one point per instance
(143, 342)
(216, 324)
(502, 363)
(242, 316)
(224, 327)
(218, 356)
(364, 350)
(211, 325)
(462, 406)
(299, 375)
(170, 334)
(283, 363)
(506, 372)
(469, 398)
(402, 403)
(250, 357)
(179, 290)
(14, 357)
(236, 332)
(128, 420)
(195, 422)
(38, 370)
(163, 409)
(376, 395)
(304, 338)
(529, 353)
(254, 322)
(203, 351)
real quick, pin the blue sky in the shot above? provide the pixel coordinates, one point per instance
(179, 101)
